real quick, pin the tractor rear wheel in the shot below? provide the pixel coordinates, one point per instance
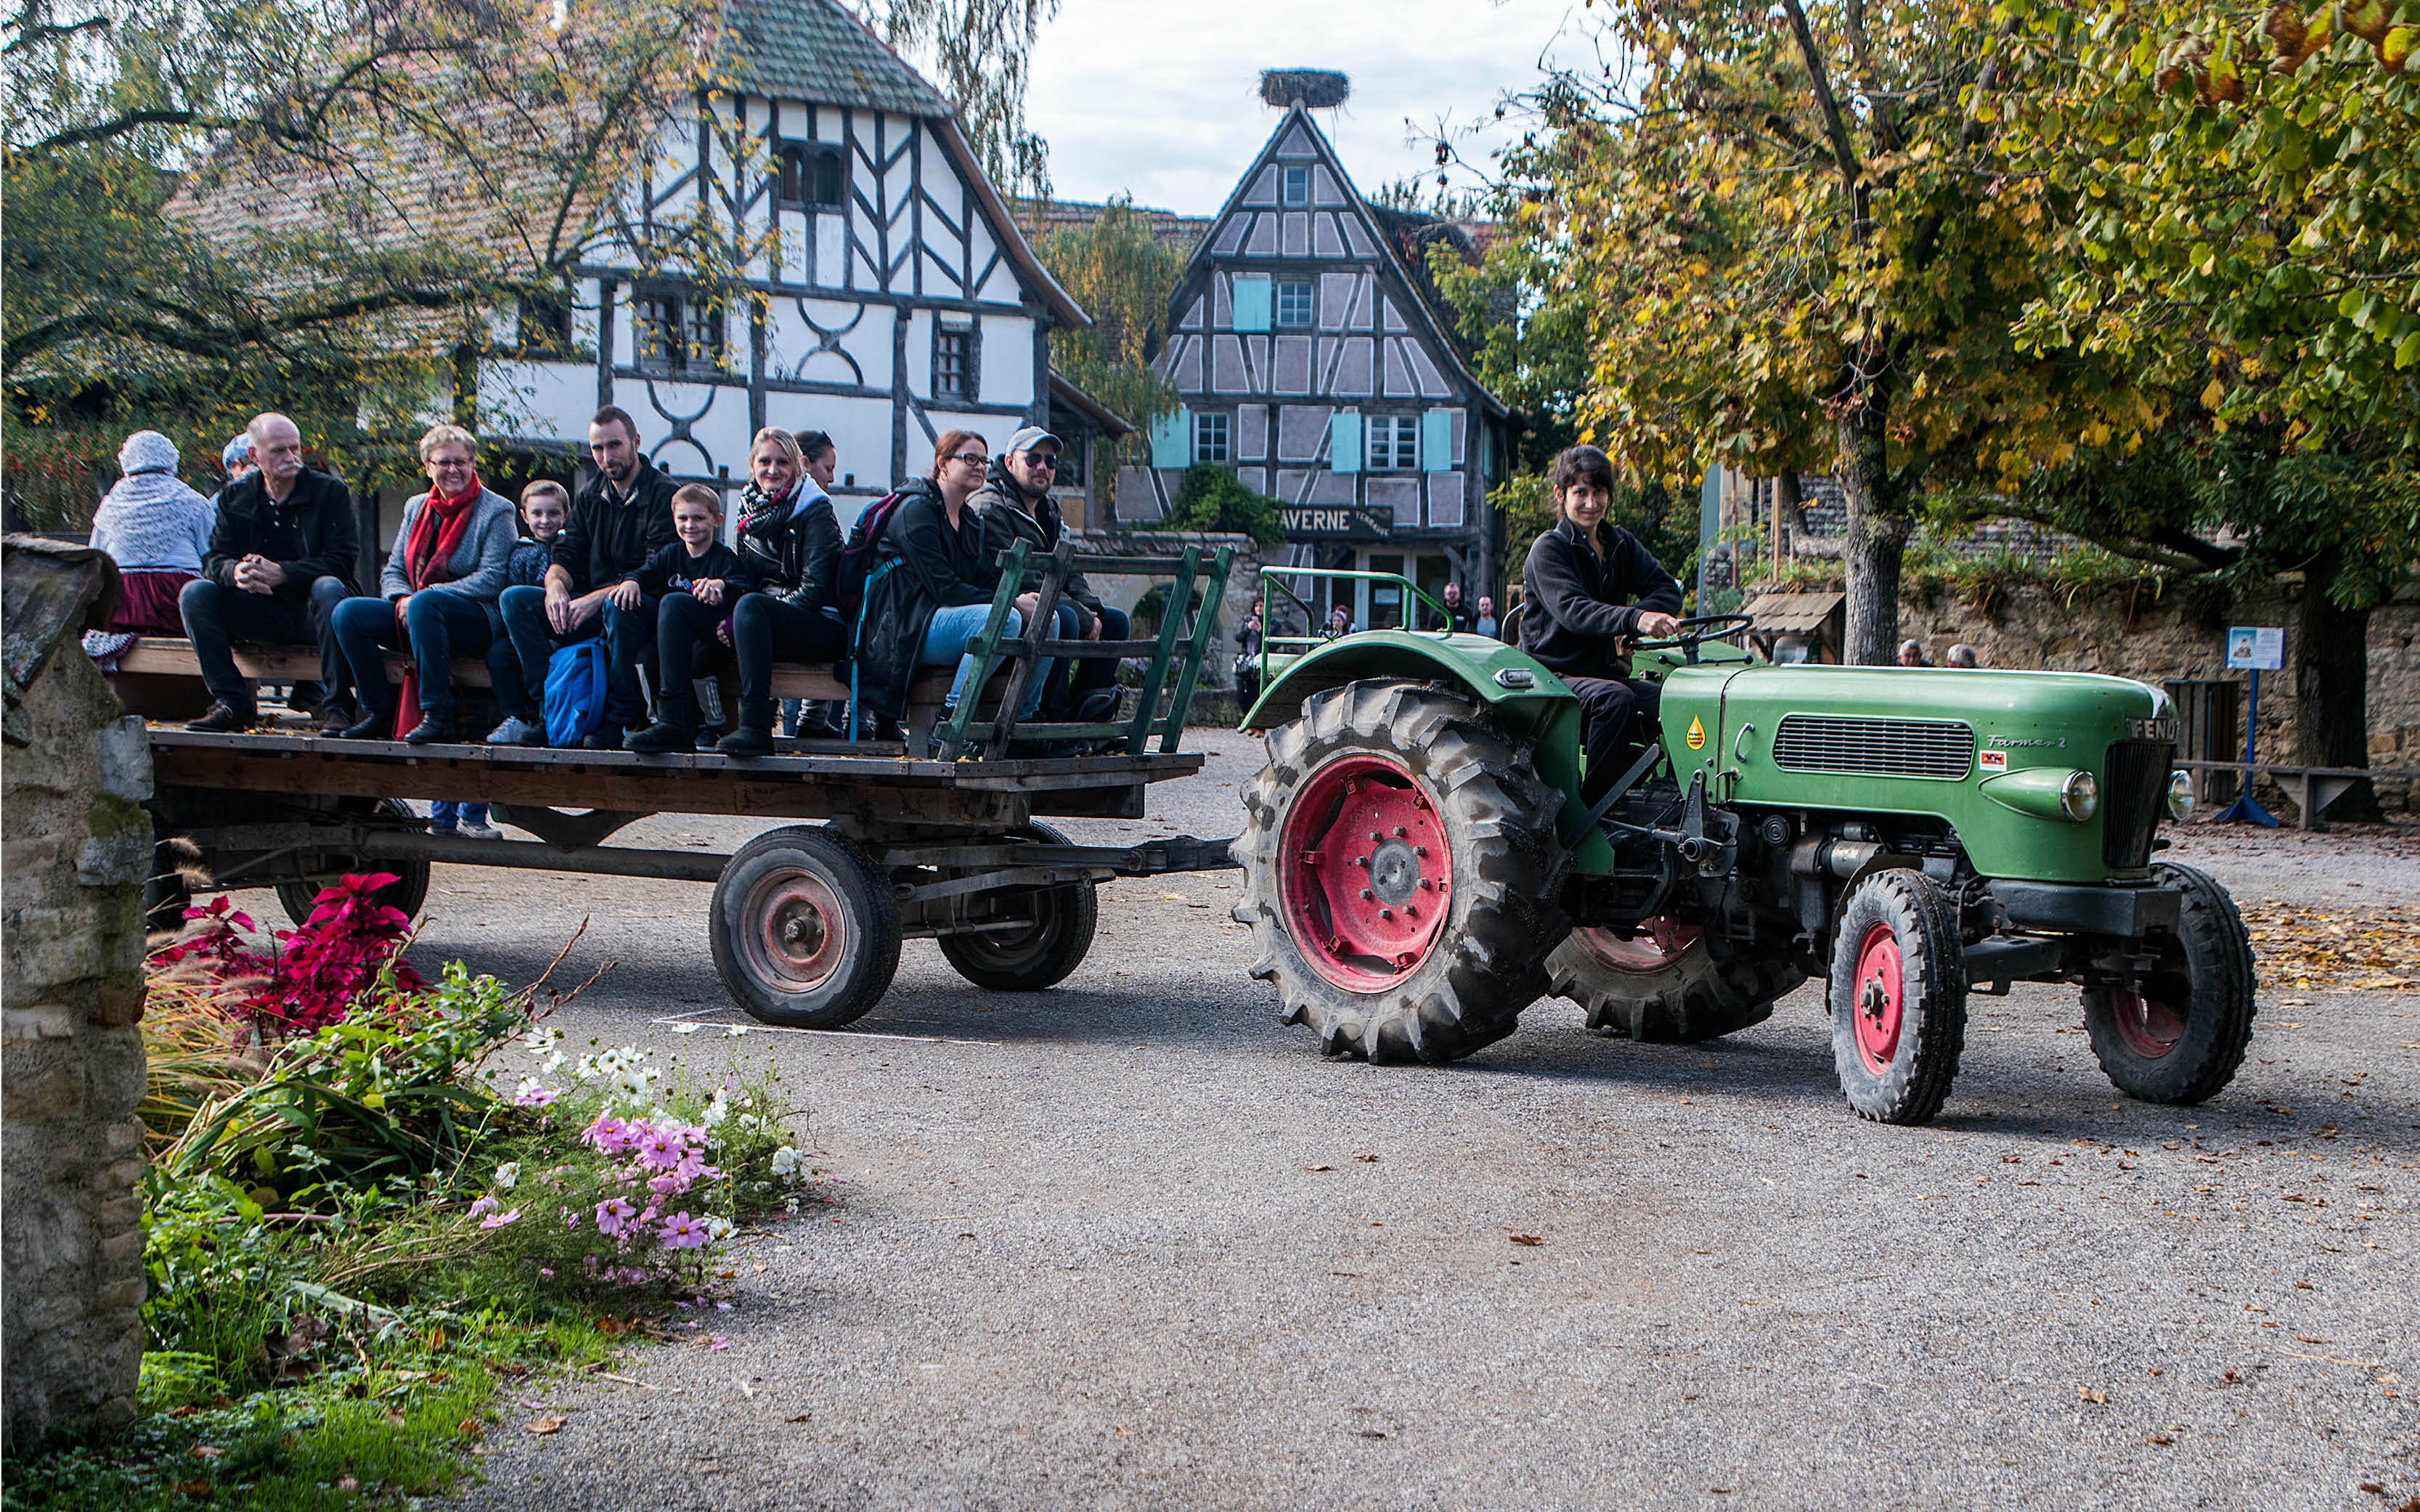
(2180, 1034)
(1667, 984)
(1899, 996)
(1401, 866)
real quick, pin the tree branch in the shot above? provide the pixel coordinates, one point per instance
(1835, 128)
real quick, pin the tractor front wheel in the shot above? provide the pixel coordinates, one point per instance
(1899, 996)
(1402, 864)
(2179, 1035)
(1669, 983)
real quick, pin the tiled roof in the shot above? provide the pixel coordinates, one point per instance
(816, 50)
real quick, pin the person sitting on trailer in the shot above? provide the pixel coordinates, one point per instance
(789, 544)
(157, 531)
(692, 585)
(1589, 589)
(439, 590)
(280, 559)
(617, 522)
(1016, 506)
(932, 585)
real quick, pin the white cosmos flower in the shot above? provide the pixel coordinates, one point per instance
(540, 1040)
(509, 1175)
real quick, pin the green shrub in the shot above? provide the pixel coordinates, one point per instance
(1212, 497)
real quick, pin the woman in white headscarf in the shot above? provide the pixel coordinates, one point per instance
(157, 531)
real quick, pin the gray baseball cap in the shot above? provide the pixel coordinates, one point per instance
(1028, 439)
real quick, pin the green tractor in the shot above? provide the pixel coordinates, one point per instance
(1421, 868)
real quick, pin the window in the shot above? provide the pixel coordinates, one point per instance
(676, 333)
(543, 328)
(810, 176)
(1295, 187)
(1394, 444)
(1293, 306)
(1210, 438)
(954, 362)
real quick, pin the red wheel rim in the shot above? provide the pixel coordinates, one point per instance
(1876, 1005)
(2150, 1026)
(1364, 873)
(799, 937)
(1659, 943)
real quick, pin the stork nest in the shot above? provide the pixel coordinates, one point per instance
(1314, 88)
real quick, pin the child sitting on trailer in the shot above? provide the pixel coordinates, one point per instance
(544, 508)
(695, 581)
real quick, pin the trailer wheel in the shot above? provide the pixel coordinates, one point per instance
(2182, 1035)
(1669, 984)
(805, 929)
(1401, 867)
(1043, 953)
(1899, 996)
(405, 894)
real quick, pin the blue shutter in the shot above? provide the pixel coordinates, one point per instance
(1436, 440)
(1344, 441)
(1172, 440)
(1252, 302)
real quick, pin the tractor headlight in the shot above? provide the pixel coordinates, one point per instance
(2180, 797)
(2080, 795)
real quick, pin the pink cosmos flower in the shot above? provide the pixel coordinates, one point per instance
(681, 1231)
(531, 1095)
(484, 1206)
(663, 1148)
(672, 1183)
(717, 1342)
(501, 1219)
(610, 1134)
(613, 1216)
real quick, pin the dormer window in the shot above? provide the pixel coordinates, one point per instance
(809, 177)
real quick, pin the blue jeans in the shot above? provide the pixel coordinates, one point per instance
(434, 624)
(534, 643)
(945, 641)
(445, 814)
(215, 616)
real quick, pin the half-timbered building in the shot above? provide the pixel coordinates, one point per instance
(1306, 360)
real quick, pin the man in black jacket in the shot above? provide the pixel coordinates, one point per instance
(280, 559)
(1015, 504)
(620, 520)
(1592, 589)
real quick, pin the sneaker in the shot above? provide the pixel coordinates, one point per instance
(379, 724)
(516, 731)
(607, 739)
(435, 727)
(480, 832)
(219, 719)
(443, 829)
(662, 740)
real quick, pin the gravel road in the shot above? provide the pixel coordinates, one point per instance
(1132, 1242)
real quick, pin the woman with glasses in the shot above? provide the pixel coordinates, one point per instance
(438, 592)
(932, 585)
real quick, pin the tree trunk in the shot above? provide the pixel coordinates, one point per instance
(1877, 543)
(2332, 687)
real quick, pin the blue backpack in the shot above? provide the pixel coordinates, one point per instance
(575, 680)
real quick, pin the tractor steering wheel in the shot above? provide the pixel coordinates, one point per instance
(1689, 634)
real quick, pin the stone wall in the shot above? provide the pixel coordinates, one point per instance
(1243, 582)
(2177, 637)
(77, 848)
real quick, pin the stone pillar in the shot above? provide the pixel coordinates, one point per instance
(78, 843)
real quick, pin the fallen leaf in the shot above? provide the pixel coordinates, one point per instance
(2157, 1438)
(1125, 1433)
(1319, 1167)
(207, 1451)
(2092, 1394)
(1366, 1159)
(2306, 1338)
(394, 1418)
(550, 1422)
(1373, 1433)
(471, 1427)
(1527, 1238)
(2373, 1488)
(800, 1418)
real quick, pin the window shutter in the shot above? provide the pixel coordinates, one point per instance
(1172, 440)
(1251, 294)
(1436, 440)
(1344, 441)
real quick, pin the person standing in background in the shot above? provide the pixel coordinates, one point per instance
(1963, 656)
(1910, 654)
(1487, 625)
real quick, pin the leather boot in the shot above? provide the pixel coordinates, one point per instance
(755, 736)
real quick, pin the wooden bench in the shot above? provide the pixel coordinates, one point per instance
(2311, 788)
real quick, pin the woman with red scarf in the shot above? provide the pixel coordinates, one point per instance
(440, 587)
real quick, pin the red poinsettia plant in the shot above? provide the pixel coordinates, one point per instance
(311, 976)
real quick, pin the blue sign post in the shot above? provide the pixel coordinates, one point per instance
(2256, 649)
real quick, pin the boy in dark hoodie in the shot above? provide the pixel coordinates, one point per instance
(707, 571)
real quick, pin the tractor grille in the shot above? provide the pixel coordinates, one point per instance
(1942, 749)
(2134, 791)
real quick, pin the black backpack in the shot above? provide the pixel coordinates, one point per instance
(857, 559)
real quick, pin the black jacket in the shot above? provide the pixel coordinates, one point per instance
(313, 534)
(1579, 605)
(607, 541)
(673, 569)
(1009, 517)
(795, 558)
(924, 566)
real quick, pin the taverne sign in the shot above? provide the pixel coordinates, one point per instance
(1336, 522)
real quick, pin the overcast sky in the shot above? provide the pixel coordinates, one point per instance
(1160, 101)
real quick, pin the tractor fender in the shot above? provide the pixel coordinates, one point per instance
(1512, 683)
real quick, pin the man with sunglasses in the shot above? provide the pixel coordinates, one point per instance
(1015, 504)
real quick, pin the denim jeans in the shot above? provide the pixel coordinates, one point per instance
(215, 617)
(534, 641)
(945, 641)
(435, 625)
(445, 814)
